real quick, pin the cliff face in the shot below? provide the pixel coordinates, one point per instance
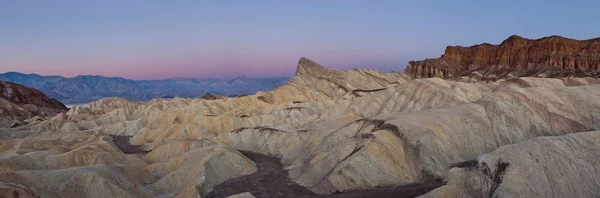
(552, 56)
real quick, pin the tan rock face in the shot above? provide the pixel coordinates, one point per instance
(83, 181)
(200, 169)
(552, 56)
(242, 195)
(82, 164)
(404, 147)
(561, 166)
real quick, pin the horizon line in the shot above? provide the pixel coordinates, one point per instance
(217, 78)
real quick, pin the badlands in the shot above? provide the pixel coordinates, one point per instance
(476, 124)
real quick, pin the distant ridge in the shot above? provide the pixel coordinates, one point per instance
(88, 88)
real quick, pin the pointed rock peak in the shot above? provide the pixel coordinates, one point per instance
(514, 39)
(308, 67)
(307, 62)
(514, 36)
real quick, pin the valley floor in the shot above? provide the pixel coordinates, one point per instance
(271, 181)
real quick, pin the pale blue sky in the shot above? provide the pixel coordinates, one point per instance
(162, 39)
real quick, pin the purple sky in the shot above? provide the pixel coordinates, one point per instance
(162, 39)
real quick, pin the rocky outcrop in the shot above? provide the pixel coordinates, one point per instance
(83, 181)
(209, 96)
(82, 164)
(561, 166)
(201, 169)
(552, 56)
(400, 148)
(18, 103)
(334, 82)
(22, 95)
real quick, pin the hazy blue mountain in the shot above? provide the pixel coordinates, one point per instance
(83, 89)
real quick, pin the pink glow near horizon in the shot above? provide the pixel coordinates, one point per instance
(157, 40)
(208, 66)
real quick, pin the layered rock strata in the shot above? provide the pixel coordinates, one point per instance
(516, 56)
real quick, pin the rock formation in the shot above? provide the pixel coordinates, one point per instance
(209, 96)
(552, 56)
(18, 103)
(561, 166)
(333, 131)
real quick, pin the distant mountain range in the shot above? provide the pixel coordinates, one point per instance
(84, 89)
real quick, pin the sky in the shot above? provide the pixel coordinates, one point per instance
(153, 39)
